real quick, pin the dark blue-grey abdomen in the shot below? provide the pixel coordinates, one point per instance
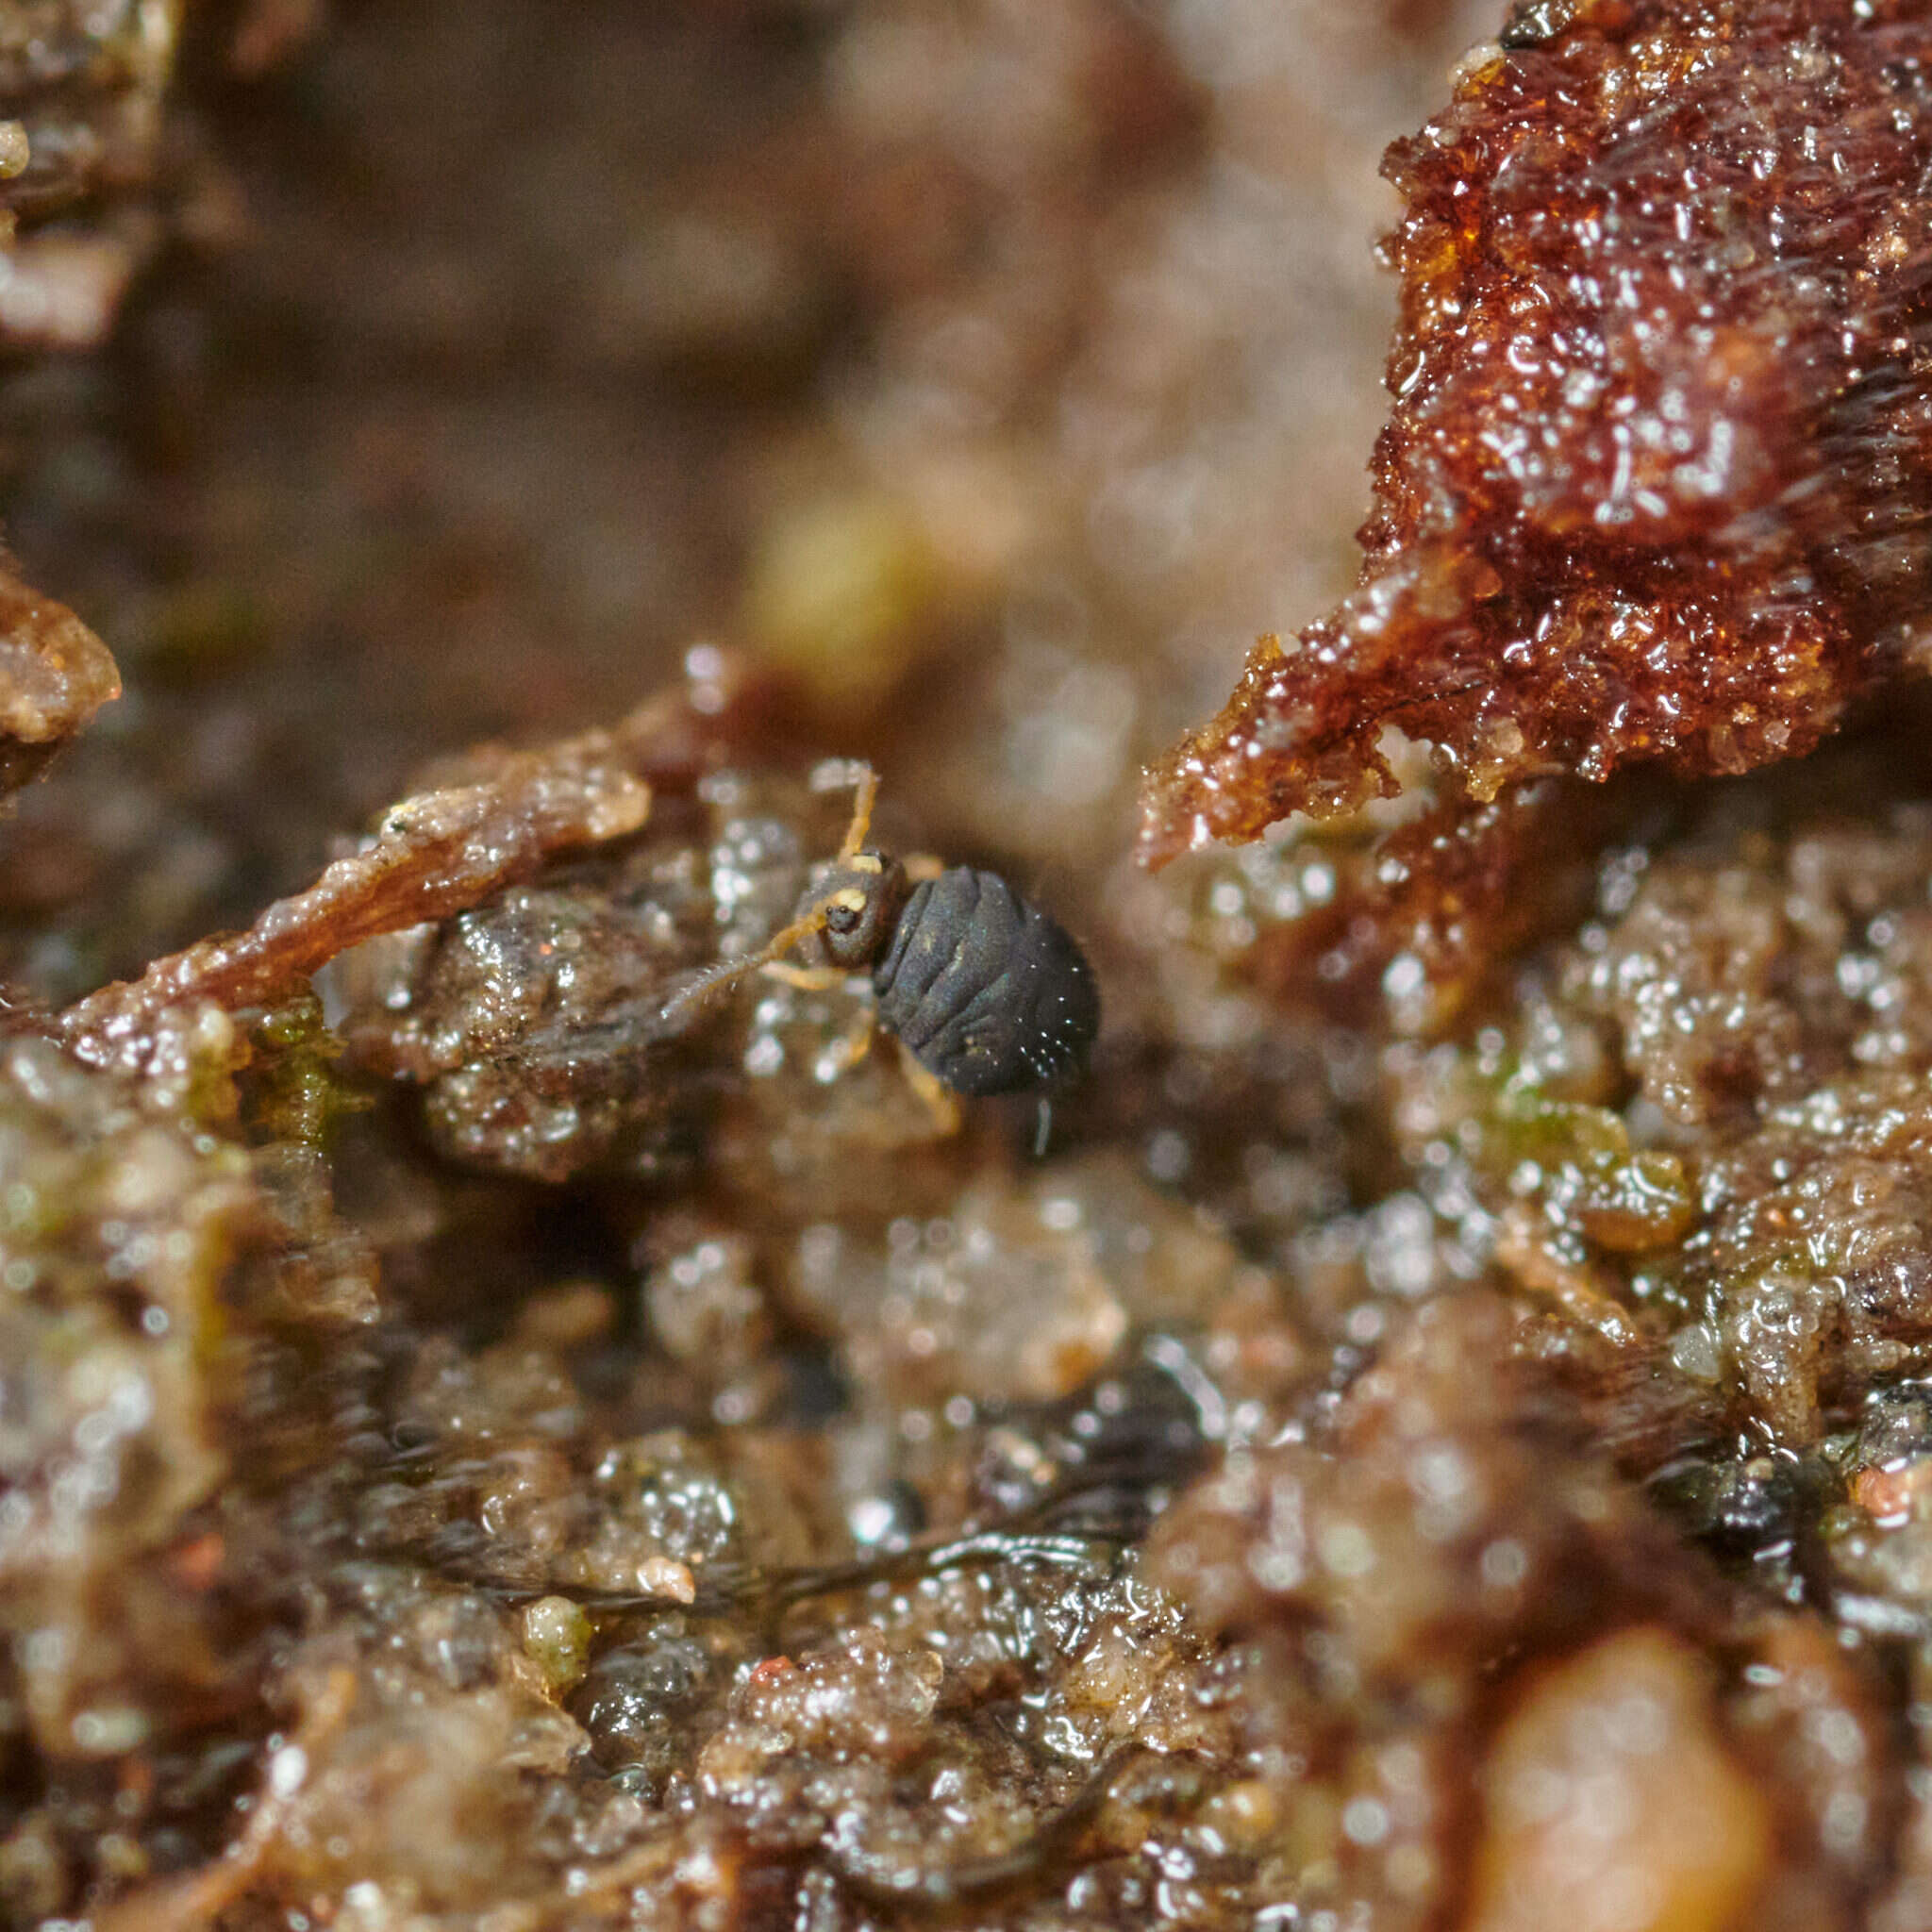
(986, 990)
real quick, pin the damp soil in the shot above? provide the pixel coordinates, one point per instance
(511, 1422)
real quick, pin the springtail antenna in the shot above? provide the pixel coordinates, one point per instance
(780, 943)
(834, 775)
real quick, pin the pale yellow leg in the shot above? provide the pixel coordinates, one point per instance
(865, 1023)
(856, 1042)
(806, 979)
(941, 1101)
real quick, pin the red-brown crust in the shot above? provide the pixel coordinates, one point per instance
(1657, 477)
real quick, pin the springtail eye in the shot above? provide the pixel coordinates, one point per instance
(844, 912)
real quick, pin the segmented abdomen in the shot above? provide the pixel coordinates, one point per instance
(986, 990)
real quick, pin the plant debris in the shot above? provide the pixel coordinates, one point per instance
(54, 674)
(1652, 486)
(511, 1419)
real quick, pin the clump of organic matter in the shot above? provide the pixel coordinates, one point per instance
(82, 153)
(1406, 1570)
(1653, 486)
(510, 1417)
(490, 820)
(54, 674)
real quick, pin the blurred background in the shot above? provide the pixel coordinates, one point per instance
(382, 376)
